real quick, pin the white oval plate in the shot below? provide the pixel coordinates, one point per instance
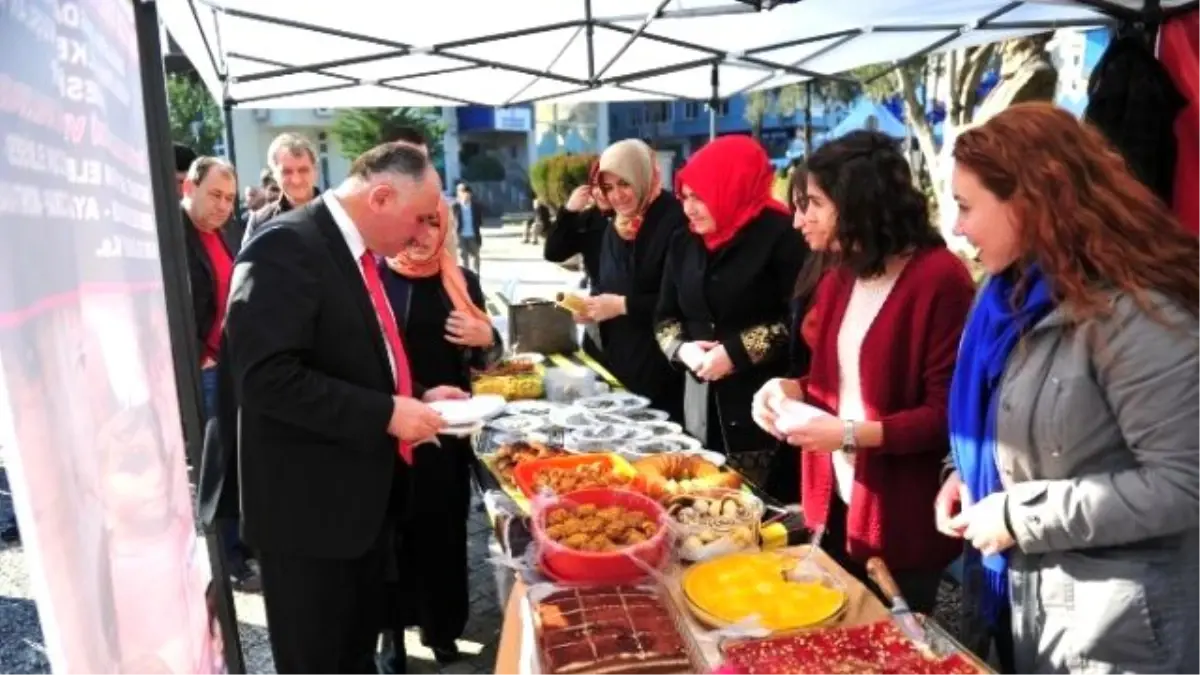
(532, 357)
(571, 417)
(517, 423)
(613, 402)
(469, 411)
(534, 408)
(462, 431)
(644, 415)
(609, 433)
(615, 419)
(661, 428)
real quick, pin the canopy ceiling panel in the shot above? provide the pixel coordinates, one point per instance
(696, 83)
(562, 51)
(301, 53)
(641, 54)
(350, 95)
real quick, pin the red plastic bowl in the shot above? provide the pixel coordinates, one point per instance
(609, 567)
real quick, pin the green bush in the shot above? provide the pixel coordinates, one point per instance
(537, 178)
(483, 168)
(553, 178)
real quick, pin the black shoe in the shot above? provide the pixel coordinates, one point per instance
(11, 534)
(246, 579)
(446, 654)
(393, 657)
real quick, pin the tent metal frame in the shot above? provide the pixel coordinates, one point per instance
(597, 77)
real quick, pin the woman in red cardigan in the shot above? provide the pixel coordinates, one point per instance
(884, 331)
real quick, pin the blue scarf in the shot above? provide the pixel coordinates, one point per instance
(991, 334)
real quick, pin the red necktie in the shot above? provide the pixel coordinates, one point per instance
(392, 333)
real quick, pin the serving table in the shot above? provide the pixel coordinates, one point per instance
(516, 647)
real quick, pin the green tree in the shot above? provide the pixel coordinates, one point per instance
(194, 116)
(360, 129)
(758, 105)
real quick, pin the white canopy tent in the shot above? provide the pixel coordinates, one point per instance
(363, 53)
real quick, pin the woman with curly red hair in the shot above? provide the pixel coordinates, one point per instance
(1073, 408)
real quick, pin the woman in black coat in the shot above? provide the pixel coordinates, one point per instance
(629, 273)
(723, 311)
(439, 307)
(578, 230)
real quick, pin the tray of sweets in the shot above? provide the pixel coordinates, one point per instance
(608, 629)
(879, 647)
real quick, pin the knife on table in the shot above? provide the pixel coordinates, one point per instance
(902, 615)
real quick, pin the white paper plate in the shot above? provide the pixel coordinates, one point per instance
(662, 428)
(517, 423)
(571, 417)
(462, 431)
(615, 419)
(644, 415)
(534, 408)
(613, 402)
(469, 411)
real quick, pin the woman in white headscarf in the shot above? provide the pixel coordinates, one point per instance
(632, 255)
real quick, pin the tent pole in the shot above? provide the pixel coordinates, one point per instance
(808, 120)
(176, 296)
(230, 149)
(714, 101)
(591, 49)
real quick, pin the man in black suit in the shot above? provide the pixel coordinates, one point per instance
(326, 408)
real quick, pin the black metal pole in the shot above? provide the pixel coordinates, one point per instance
(591, 50)
(808, 120)
(173, 253)
(714, 100)
(231, 150)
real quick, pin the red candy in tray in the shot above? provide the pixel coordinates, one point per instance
(608, 629)
(874, 648)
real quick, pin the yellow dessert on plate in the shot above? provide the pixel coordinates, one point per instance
(732, 588)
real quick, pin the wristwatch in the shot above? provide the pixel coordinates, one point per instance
(848, 443)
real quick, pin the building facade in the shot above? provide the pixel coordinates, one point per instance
(682, 127)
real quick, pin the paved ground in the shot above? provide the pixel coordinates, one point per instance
(21, 651)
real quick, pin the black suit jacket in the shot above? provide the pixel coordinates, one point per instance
(200, 280)
(476, 218)
(310, 373)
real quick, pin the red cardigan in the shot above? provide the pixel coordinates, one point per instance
(906, 363)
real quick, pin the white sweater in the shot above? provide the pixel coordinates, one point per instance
(866, 300)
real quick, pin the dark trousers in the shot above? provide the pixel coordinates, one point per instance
(323, 615)
(432, 588)
(1002, 634)
(236, 552)
(919, 587)
(469, 250)
(208, 384)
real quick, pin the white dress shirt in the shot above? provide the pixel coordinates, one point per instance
(354, 242)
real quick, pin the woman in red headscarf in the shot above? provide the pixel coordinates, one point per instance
(723, 310)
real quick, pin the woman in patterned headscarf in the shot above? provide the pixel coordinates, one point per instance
(578, 233)
(632, 254)
(439, 307)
